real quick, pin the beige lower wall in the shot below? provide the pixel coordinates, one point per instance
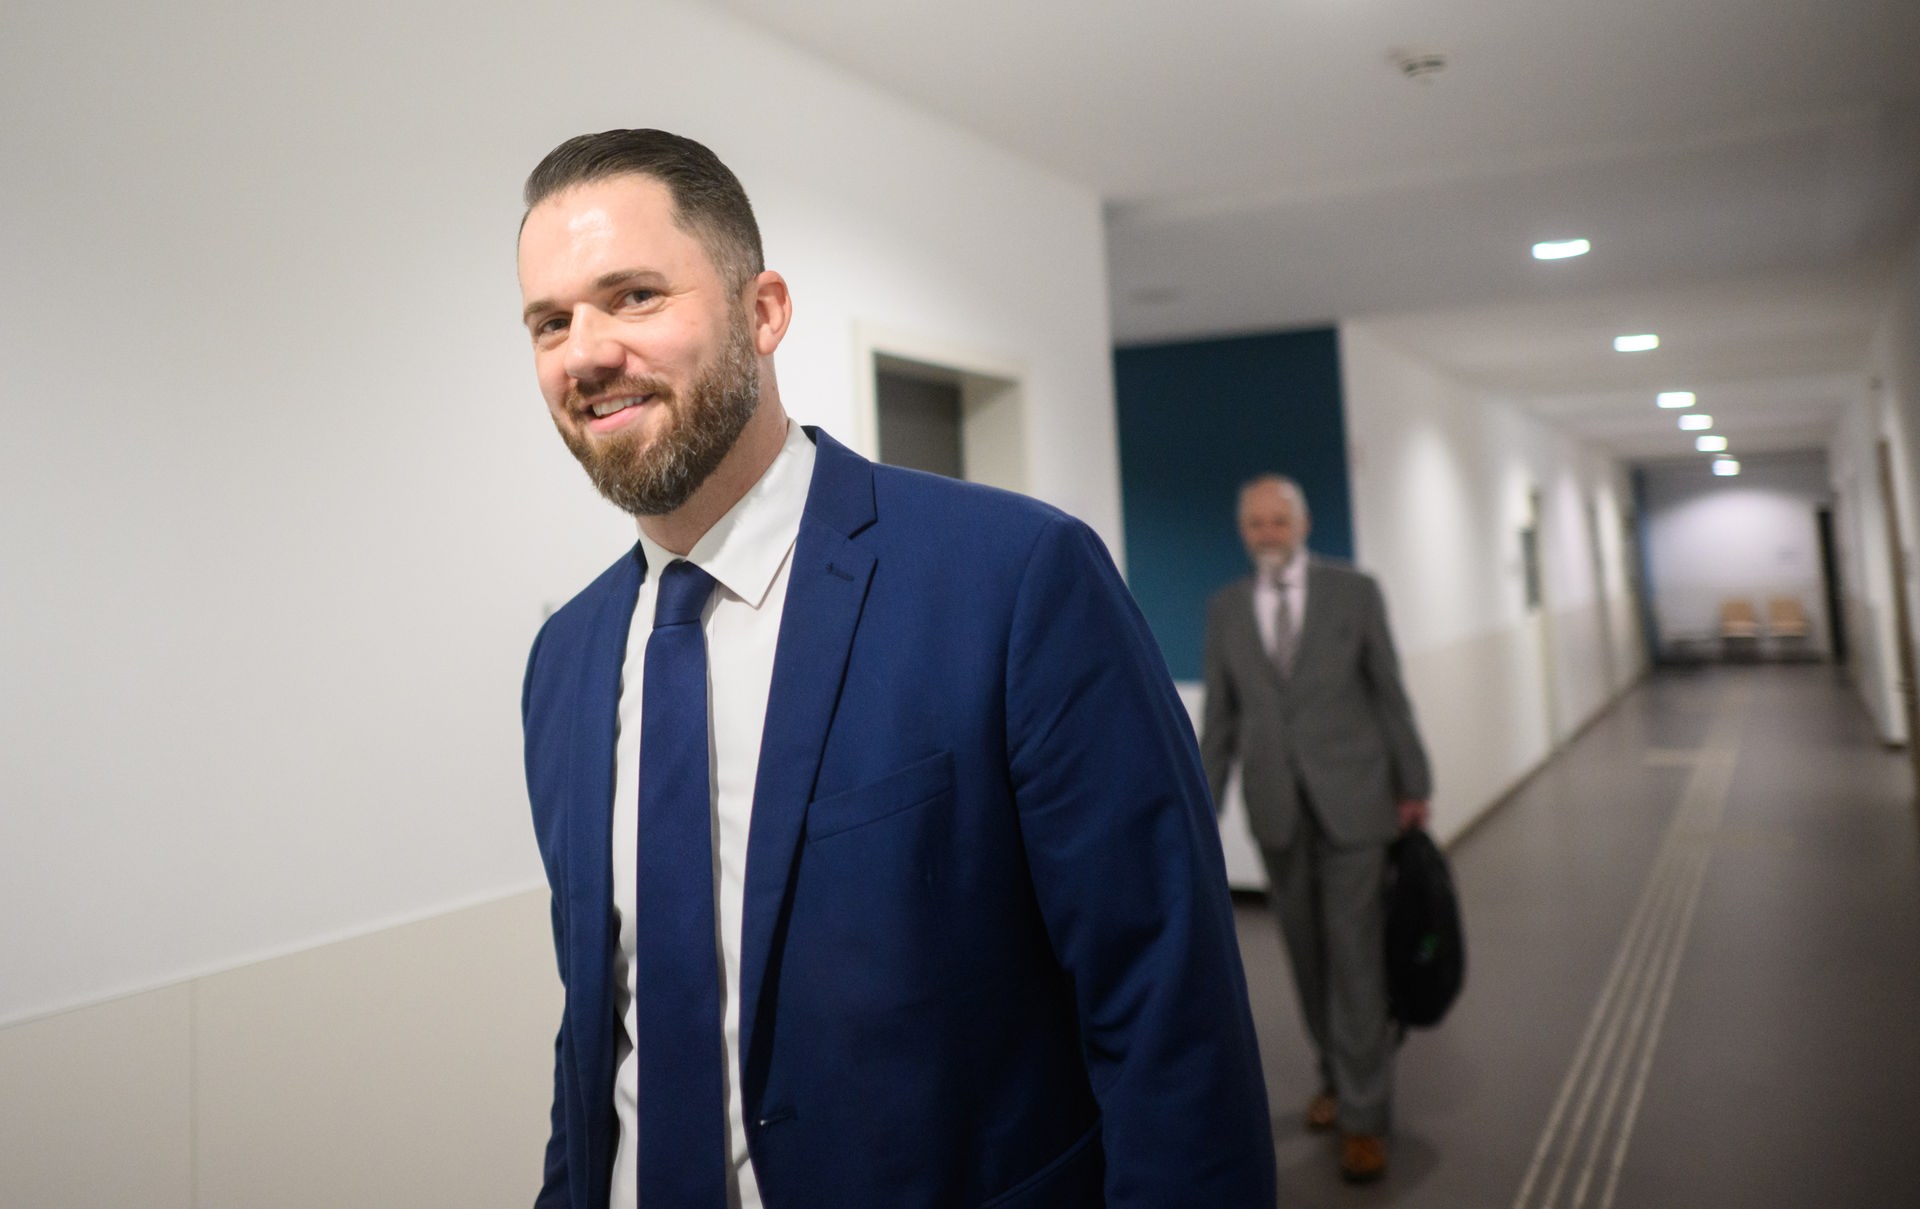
(1583, 680)
(407, 1069)
(1871, 640)
(96, 1107)
(1482, 705)
(1482, 708)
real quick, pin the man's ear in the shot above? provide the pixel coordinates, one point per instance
(771, 309)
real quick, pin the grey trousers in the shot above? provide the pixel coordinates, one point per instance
(1332, 910)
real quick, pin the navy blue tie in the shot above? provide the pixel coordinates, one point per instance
(683, 1116)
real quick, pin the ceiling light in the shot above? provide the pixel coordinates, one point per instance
(1694, 421)
(1710, 444)
(1636, 344)
(1726, 466)
(1561, 249)
(1674, 398)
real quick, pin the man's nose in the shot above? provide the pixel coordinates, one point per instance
(592, 353)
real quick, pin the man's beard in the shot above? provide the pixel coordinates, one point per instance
(1271, 562)
(654, 478)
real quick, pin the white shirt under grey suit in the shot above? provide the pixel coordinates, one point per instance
(1327, 746)
(1336, 730)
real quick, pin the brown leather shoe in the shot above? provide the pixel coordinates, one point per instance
(1363, 1157)
(1323, 1111)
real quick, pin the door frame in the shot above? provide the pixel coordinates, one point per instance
(993, 400)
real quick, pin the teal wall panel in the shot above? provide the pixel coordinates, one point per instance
(1196, 420)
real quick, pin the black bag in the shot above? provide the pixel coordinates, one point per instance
(1426, 949)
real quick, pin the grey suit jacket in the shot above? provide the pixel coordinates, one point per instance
(1338, 731)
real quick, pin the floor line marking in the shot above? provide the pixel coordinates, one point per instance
(1596, 1023)
(1671, 976)
(1616, 1049)
(1629, 1016)
(1602, 1027)
(1645, 1025)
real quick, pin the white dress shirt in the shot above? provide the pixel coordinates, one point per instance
(1266, 598)
(749, 553)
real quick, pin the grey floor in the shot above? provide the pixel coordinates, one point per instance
(1694, 973)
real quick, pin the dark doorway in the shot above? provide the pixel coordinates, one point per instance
(1830, 579)
(920, 419)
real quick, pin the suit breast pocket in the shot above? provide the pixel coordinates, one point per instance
(904, 789)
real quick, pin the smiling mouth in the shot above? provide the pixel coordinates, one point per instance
(607, 407)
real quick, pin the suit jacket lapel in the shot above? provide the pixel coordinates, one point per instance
(1250, 625)
(1321, 611)
(1313, 619)
(825, 594)
(596, 718)
(1251, 622)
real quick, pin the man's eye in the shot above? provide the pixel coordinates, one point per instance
(638, 297)
(553, 325)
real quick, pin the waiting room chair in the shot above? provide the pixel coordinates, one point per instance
(1787, 626)
(1739, 629)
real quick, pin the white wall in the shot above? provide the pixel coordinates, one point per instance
(284, 511)
(1751, 537)
(1888, 409)
(283, 507)
(1866, 585)
(1443, 482)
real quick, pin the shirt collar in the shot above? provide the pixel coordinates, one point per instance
(745, 548)
(1294, 574)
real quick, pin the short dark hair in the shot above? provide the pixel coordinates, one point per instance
(708, 201)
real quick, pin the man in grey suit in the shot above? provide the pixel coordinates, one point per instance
(1303, 689)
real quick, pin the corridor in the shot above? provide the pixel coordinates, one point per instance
(1693, 973)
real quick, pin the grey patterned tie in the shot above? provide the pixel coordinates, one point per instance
(1284, 633)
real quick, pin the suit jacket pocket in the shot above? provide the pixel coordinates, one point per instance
(915, 785)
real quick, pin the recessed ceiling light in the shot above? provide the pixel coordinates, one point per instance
(1674, 398)
(1710, 444)
(1561, 249)
(1636, 344)
(1726, 466)
(1694, 421)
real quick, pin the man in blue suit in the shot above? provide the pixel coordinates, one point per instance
(935, 915)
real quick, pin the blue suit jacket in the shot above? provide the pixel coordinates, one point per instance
(988, 953)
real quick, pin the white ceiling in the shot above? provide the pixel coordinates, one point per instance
(1746, 169)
